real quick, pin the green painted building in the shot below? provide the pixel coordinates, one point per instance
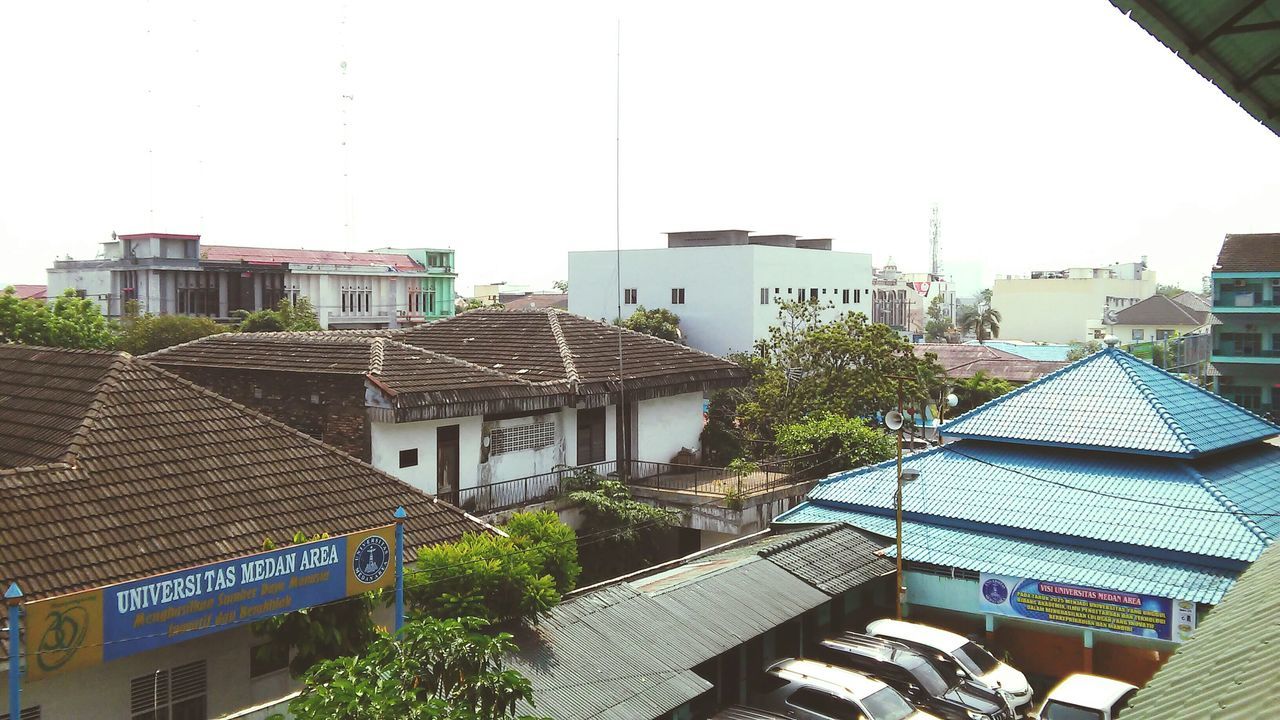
(430, 296)
(1246, 303)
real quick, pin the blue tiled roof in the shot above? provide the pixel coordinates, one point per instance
(1115, 402)
(1250, 478)
(1056, 353)
(1061, 495)
(985, 552)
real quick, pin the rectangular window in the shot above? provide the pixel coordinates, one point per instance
(844, 297)
(522, 437)
(813, 295)
(629, 296)
(408, 458)
(677, 296)
(267, 658)
(857, 296)
(1137, 334)
(1162, 335)
(764, 296)
(177, 694)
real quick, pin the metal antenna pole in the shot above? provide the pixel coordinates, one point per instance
(902, 587)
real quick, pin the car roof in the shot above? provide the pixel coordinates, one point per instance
(877, 647)
(854, 684)
(1090, 691)
(933, 637)
(742, 712)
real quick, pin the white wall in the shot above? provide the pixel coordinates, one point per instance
(1059, 310)
(666, 425)
(388, 439)
(523, 463)
(95, 283)
(789, 269)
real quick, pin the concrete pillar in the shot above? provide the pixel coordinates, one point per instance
(1087, 663)
(257, 291)
(990, 622)
(222, 294)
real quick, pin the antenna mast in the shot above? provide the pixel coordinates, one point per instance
(935, 228)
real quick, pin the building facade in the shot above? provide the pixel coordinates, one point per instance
(1061, 306)
(901, 300)
(1246, 302)
(167, 274)
(725, 285)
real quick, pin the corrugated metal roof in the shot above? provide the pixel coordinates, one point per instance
(985, 552)
(1050, 352)
(1227, 670)
(1136, 500)
(1115, 402)
(834, 559)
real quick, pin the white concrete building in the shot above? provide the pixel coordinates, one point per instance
(169, 274)
(725, 285)
(1060, 306)
(901, 300)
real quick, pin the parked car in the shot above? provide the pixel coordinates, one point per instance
(1086, 697)
(977, 663)
(812, 690)
(936, 685)
(742, 712)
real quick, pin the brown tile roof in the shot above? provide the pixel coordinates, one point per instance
(965, 361)
(538, 301)
(552, 345)
(1249, 253)
(1161, 310)
(1193, 301)
(45, 396)
(158, 474)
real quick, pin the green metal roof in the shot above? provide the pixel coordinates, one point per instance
(1235, 44)
(1227, 670)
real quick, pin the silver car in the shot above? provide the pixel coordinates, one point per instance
(811, 690)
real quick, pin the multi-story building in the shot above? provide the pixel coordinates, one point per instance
(901, 300)
(1060, 306)
(1246, 302)
(169, 274)
(725, 285)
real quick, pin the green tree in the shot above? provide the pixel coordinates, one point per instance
(829, 442)
(937, 326)
(1077, 350)
(659, 322)
(68, 321)
(977, 390)
(142, 334)
(431, 670)
(561, 285)
(623, 530)
(552, 542)
(1169, 291)
(982, 320)
(287, 316)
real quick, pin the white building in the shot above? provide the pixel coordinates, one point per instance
(1059, 306)
(725, 285)
(901, 300)
(169, 274)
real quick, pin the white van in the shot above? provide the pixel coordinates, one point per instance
(1086, 697)
(977, 663)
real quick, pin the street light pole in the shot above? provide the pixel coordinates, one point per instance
(901, 590)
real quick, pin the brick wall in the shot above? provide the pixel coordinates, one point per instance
(329, 408)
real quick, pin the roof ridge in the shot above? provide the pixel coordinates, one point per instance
(566, 355)
(634, 333)
(42, 467)
(1230, 506)
(377, 350)
(105, 384)
(1018, 391)
(799, 538)
(1122, 358)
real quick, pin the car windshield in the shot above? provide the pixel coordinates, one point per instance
(975, 659)
(1055, 710)
(928, 677)
(886, 704)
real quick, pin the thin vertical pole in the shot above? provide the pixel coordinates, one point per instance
(902, 588)
(400, 516)
(13, 598)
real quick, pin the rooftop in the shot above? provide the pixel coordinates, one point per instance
(1161, 310)
(1030, 351)
(965, 361)
(1249, 253)
(34, 292)
(285, 256)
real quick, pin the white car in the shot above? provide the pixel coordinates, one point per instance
(812, 690)
(977, 663)
(1086, 697)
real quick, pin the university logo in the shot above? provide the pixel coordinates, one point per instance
(372, 557)
(62, 637)
(995, 591)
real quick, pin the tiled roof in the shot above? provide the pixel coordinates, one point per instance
(1068, 495)
(1193, 301)
(965, 361)
(1250, 478)
(1249, 253)
(1030, 351)
(45, 396)
(538, 301)
(1115, 402)
(982, 551)
(160, 474)
(544, 345)
(34, 292)
(1227, 670)
(284, 256)
(1161, 310)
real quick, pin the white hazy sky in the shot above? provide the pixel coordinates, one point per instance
(1051, 134)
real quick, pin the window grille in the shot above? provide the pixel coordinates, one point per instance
(31, 713)
(523, 437)
(177, 694)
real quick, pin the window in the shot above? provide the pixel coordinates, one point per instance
(857, 296)
(408, 458)
(357, 299)
(522, 437)
(775, 290)
(197, 293)
(1137, 334)
(824, 291)
(267, 658)
(128, 285)
(177, 694)
(677, 296)
(272, 290)
(1162, 335)
(764, 296)
(800, 294)
(813, 294)
(629, 296)
(844, 297)
(826, 705)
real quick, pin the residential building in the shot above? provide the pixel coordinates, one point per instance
(1246, 302)
(1060, 306)
(961, 362)
(1159, 318)
(725, 285)
(466, 407)
(901, 300)
(682, 639)
(1227, 670)
(1108, 489)
(112, 470)
(167, 274)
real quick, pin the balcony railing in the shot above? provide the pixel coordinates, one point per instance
(1245, 352)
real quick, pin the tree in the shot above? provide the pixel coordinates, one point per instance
(1077, 350)
(69, 321)
(561, 285)
(432, 669)
(982, 320)
(287, 316)
(659, 322)
(622, 528)
(147, 333)
(937, 326)
(830, 442)
(1169, 291)
(977, 390)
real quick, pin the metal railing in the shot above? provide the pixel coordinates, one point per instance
(509, 494)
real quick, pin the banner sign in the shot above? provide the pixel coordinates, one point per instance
(920, 287)
(1106, 610)
(85, 628)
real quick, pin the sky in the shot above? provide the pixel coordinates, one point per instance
(1049, 134)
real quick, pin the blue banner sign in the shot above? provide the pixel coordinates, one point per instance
(1145, 616)
(93, 626)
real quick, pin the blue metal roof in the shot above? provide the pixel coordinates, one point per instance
(1115, 402)
(1155, 506)
(1056, 353)
(984, 552)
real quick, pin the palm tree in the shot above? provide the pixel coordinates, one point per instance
(983, 321)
